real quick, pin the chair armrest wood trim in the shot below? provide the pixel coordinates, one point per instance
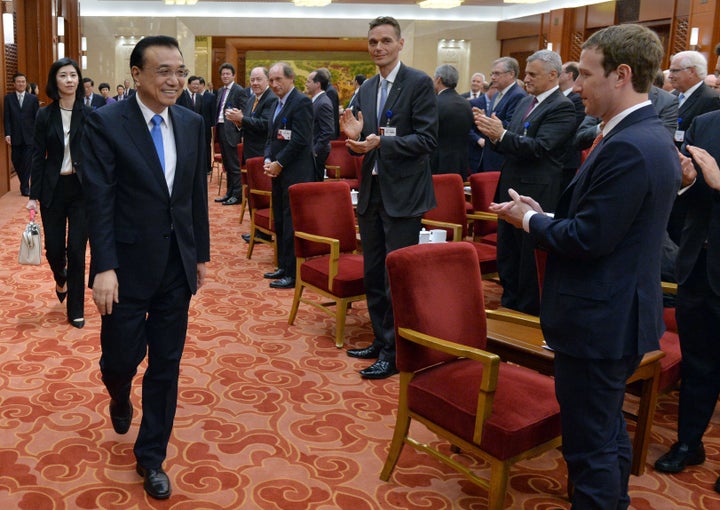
(457, 229)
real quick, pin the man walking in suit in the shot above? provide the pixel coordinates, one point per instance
(698, 297)
(230, 96)
(505, 71)
(323, 129)
(602, 302)
(455, 120)
(149, 241)
(288, 160)
(92, 100)
(20, 109)
(396, 130)
(533, 145)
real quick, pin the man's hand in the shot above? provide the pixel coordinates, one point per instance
(105, 291)
(201, 272)
(689, 174)
(272, 169)
(351, 126)
(514, 210)
(234, 115)
(8, 140)
(492, 127)
(707, 164)
(370, 143)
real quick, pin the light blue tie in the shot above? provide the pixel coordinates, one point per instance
(383, 98)
(277, 110)
(157, 139)
(681, 99)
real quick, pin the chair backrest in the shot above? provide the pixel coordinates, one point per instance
(257, 180)
(324, 209)
(436, 289)
(450, 196)
(483, 186)
(339, 156)
(240, 148)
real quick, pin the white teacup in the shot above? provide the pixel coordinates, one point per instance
(424, 237)
(354, 197)
(438, 235)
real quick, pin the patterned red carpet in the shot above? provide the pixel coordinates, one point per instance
(270, 416)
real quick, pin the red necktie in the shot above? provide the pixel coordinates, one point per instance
(530, 109)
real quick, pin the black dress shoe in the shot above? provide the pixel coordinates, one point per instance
(246, 238)
(278, 273)
(223, 199)
(77, 323)
(679, 457)
(60, 295)
(286, 282)
(156, 484)
(717, 485)
(371, 352)
(381, 369)
(121, 416)
(259, 236)
(232, 201)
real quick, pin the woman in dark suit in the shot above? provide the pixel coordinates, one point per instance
(55, 183)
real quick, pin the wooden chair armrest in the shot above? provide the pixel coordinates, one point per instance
(491, 369)
(669, 287)
(457, 229)
(514, 317)
(334, 252)
(482, 215)
(333, 171)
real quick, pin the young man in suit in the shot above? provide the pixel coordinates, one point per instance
(505, 71)
(149, 241)
(698, 296)
(323, 129)
(229, 96)
(288, 160)
(396, 130)
(19, 113)
(602, 302)
(455, 120)
(533, 145)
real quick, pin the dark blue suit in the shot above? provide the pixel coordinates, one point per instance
(503, 110)
(475, 152)
(602, 303)
(20, 127)
(154, 240)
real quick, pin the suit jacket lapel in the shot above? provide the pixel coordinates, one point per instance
(288, 99)
(183, 143)
(138, 132)
(394, 92)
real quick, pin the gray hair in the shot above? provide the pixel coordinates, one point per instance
(509, 63)
(551, 60)
(693, 59)
(448, 75)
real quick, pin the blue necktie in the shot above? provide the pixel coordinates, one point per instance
(157, 139)
(277, 110)
(383, 98)
(681, 99)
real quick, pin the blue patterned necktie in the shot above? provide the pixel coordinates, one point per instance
(157, 139)
(383, 98)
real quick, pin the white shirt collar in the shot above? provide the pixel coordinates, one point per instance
(148, 114)
(317, 95)
(542, 97)
(392, 75)
(620, 116)
(692, 89)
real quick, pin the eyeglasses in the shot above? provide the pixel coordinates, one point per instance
(498, 73)
(165, 73)
(675, 71)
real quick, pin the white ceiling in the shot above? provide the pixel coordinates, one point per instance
(472, 10)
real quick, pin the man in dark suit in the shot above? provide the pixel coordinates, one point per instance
(229, 96)
(533, 145)
(332, 94)
(505, 71)
(357, 81)
(288, 160)
(191, 97)
(396, 130)
(698, 297)
(92, 100)
(208, 114)
(455, 120)
(323, 129)
(145, 183)
(477, 84)
(602, 302)
(476, 140)
(571, 157)
(20, 109)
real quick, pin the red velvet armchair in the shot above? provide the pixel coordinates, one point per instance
(260, 201)
(483, 186)
(326, 249)
(500, 412)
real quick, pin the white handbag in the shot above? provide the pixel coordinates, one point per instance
(30, 243)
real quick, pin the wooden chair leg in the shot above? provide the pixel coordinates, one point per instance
(251, 244)
(499, 474)
(340, 316)
(243, 205)
(402, 426)
(296, 301)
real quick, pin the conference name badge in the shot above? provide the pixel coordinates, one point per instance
(284, 134)
(388, 131)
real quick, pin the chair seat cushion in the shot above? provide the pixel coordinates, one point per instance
(349, 280)
(262, 219)
(487, 255)
(525, 412)
(670, 363)
(490, 239)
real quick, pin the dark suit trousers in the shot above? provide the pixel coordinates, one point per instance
(21, 156)
(517, 269)
(320, 160)
(156, 326)
(284, 232)
(231, 162)
(596, 445)
(66, 256)
(698, 319)
(381, 234)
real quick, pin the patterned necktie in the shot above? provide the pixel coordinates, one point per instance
(221, 104)
(87, 101)
(383, 98)
(497, 99)
(255, 103)
(681, 99)
(533, 103)
(157, 139)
